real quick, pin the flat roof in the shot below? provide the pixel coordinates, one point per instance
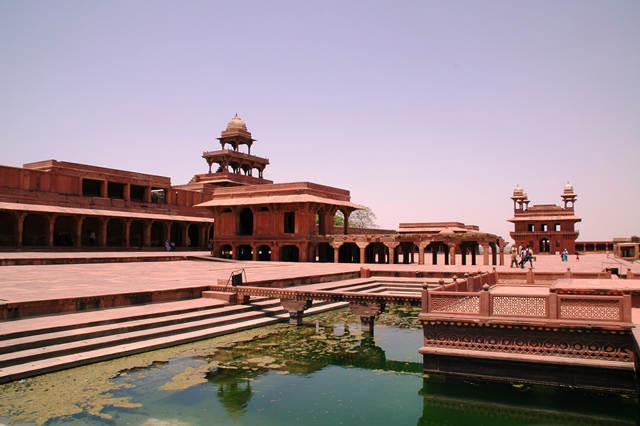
(277, 199)
(39, 208)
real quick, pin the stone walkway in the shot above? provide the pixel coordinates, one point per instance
(47, 282)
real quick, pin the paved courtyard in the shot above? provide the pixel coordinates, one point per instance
(47, 282)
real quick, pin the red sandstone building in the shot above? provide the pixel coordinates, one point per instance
(232, 209)
(546, 228)
(59, 204)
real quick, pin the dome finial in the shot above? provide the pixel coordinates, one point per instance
(236, 123)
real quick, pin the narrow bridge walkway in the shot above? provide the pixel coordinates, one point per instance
(367, 297)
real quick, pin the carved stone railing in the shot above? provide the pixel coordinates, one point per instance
(552, 307)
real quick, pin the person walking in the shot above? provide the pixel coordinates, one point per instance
(514, 257)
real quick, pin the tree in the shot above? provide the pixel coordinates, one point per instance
(357, 219)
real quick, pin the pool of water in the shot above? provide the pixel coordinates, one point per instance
(328, 372)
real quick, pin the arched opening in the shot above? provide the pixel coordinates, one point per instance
(264, 253)
(349, 253)
(246, 222)
(64, 231)
(289, 254)
(469, 248)
(226, 251)
(115, 233)
(376, 253)
(35, 230)
(136, 233)
(8, 229)
(406, 252)
(91, 226)
(175, 236)
(324, 253)
(544, 246)
(193, 235)
(245, 252)
(494, 253)
(157, 234)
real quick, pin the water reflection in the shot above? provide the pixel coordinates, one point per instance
(301, 351)
(328, 373)
(493, 403)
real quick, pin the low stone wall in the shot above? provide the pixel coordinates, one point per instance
(47, 307)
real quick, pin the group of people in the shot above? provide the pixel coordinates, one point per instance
(524, 253)
(564, 255)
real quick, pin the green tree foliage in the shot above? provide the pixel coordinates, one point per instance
(358, 219)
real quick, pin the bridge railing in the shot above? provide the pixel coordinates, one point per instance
(553, 306)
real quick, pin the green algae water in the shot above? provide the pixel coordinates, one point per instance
(326, 372)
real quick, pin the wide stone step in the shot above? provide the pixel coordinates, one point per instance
(49, 365)
(12, 329)
(33, 362)
(60, 349)
(95, 331)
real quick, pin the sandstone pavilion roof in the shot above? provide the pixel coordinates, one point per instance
(237, 123)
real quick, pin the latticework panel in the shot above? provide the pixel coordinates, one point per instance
(451, 303)
(590, 309)
(522, 342)
(520, 306)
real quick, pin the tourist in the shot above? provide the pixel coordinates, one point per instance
(578, 256)
(514, 257)
(166, 245)
(530, 256)
(92, 237)
(524, 256)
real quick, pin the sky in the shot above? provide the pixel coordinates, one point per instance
(424, 110)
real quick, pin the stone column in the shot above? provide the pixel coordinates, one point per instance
(185, 234)
(502, 244)
(146, 239)
(104, 189)
(363, 246)
(103, 233)
(392, 251)
(167, 233)
(485, 253)
(79, 231)
(303, 252)
(452, 253)
(126, 194)
(421, 248)
(367, 311)
(147, 195)
(127, 232)
(52, 223)
(296, 309)
(20, 222)
(336, 251)
(346, 222)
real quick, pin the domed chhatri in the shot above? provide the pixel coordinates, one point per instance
(236, 123)
(517, 191)
(568, 188)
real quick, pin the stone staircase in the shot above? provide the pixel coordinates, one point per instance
(39, 345)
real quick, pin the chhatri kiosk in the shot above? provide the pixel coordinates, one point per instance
(546, 228)
(256, 219)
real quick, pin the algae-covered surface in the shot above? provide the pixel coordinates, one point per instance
(101, 390)
(326, 372)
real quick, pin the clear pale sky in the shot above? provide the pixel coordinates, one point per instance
(424, 110)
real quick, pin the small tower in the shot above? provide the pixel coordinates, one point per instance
(236, 135)
(568, 196)
(520, 200)
(545, 228)
(234, 167)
